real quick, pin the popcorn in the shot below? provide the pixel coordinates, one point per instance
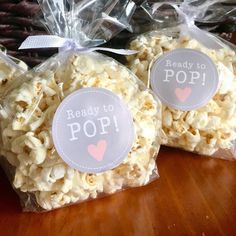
(8, 73)
(209, 129)
(26, 128)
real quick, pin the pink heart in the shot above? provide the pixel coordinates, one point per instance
(98, 151)
(183, 94)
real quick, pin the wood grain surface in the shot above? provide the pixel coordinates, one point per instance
(194, 196)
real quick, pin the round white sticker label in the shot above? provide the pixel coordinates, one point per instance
(184, 79)
(93, 130)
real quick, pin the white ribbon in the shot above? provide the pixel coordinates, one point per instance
(189, 28)
(11, 62)
(64, 44)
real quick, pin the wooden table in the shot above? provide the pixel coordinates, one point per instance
(194, 196)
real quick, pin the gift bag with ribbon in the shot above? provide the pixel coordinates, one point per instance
(194, 75)
(80, 125)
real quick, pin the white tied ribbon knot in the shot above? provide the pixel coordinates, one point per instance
(65, 44)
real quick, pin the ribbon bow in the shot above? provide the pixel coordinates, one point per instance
(64, 44)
